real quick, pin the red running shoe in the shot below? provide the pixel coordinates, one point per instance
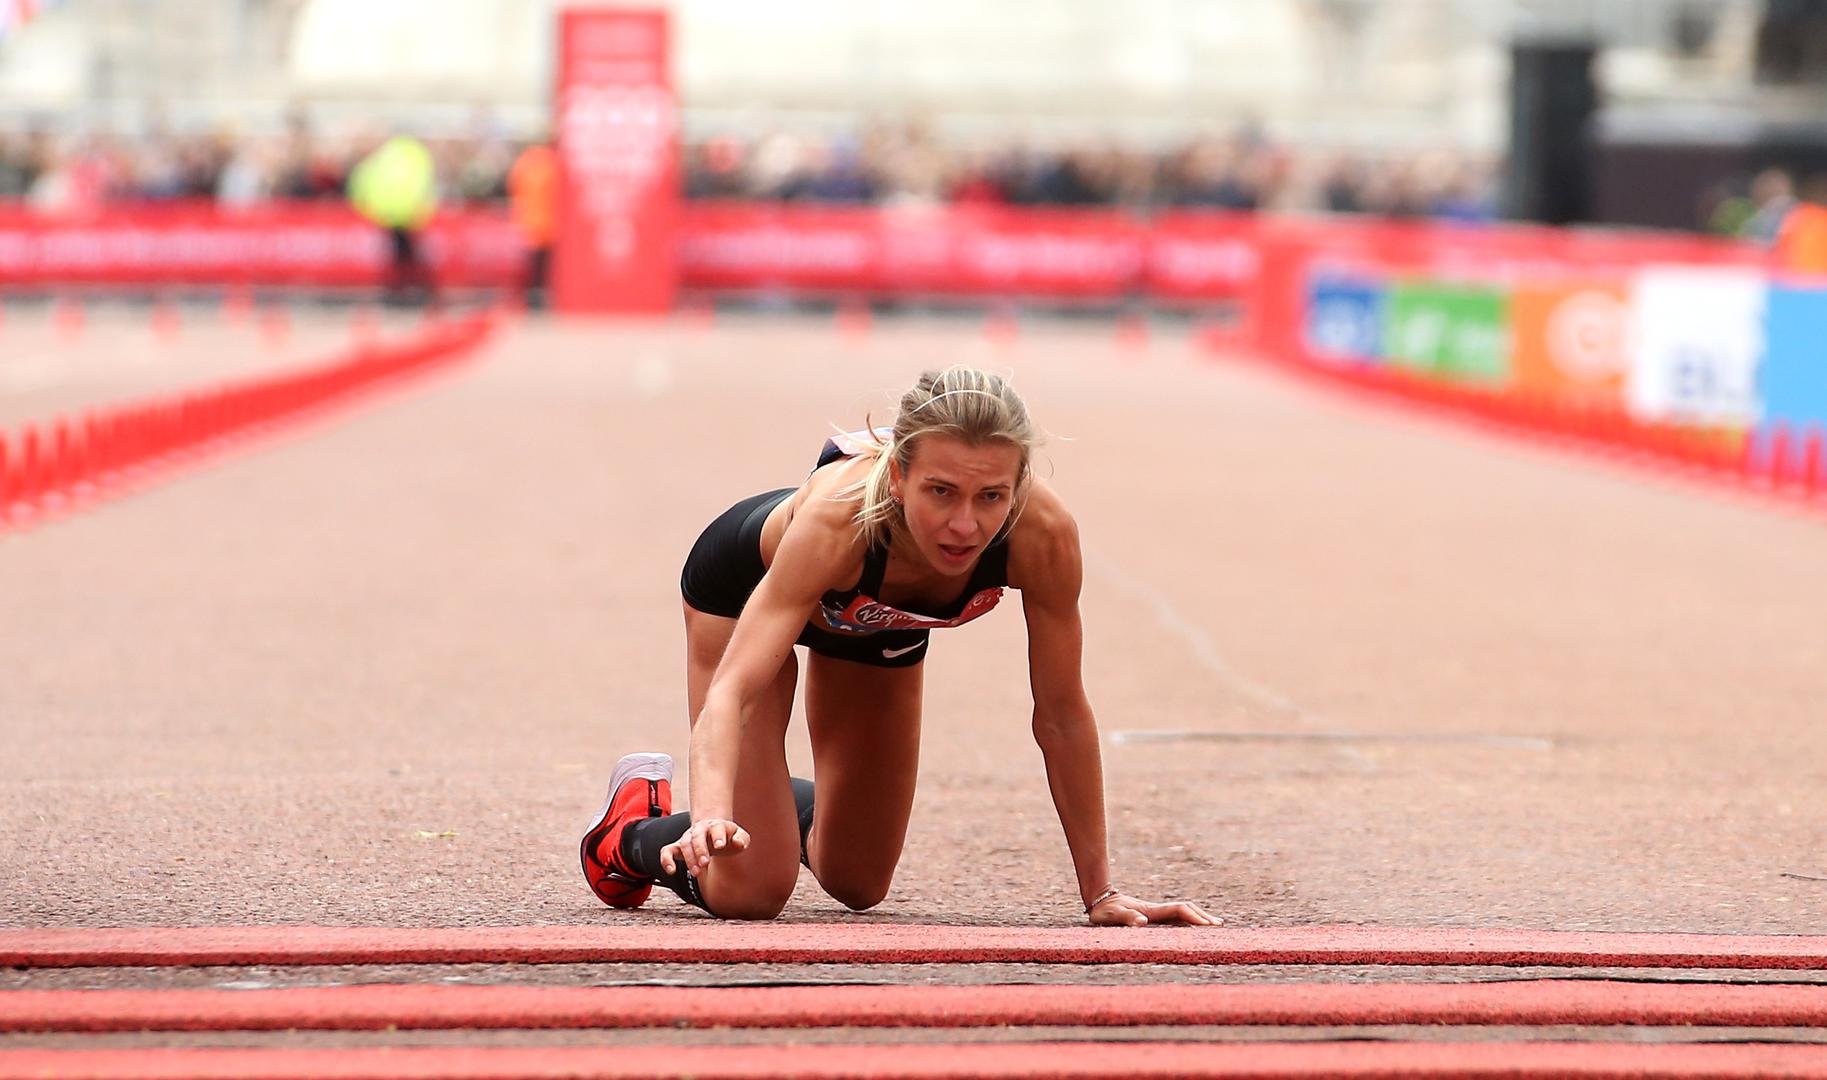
(640, 787)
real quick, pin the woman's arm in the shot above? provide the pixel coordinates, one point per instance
(814, 552)
(1064, 726)
(1048, 568)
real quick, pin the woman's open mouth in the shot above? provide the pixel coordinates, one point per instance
(957, 553)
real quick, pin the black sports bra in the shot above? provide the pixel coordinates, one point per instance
(857, 611)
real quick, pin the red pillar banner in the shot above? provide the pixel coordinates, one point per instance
(617, 141)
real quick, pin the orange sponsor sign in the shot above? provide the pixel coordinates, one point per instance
(1571, 340)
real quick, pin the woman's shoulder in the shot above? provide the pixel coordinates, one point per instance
(818, 523)
(1043, 543)
(831, 496)
(1044, 515)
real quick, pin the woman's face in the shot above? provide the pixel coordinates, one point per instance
(956, 497)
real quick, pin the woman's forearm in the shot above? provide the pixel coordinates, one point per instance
(716, 743)
(1075, 775)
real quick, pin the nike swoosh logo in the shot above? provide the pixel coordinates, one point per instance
(890, 654)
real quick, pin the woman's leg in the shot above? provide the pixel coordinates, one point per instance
(865, 728)
(757, 883)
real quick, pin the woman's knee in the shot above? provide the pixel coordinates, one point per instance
(749, 904)
(859, 894)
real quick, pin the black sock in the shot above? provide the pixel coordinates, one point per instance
(641, 844)
(642, 841)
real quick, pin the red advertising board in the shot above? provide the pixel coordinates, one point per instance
(967, 251)
(197, 243)
(617, 141)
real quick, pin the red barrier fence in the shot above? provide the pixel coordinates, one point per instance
(49, 465)
(738, 246)
(962, 251)
(285, 244)
(1781, 462)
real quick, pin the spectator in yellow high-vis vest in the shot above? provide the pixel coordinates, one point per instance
(396, 188)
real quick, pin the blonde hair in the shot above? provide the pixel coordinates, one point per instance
(963, 402)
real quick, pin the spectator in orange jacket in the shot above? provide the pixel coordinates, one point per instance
(1801, 246)
(533, 193)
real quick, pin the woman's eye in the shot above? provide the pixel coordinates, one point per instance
(992, 496)
(939, 491)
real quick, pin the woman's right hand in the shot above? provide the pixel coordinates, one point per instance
(693, 851)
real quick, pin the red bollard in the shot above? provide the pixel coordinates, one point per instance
(31, 467)
(697, 312)
(237, 304)
(1814, 462)
(1780, 454)
(276, 325)
(365, 326)
(1132, 333)
(69, 319)
(167, 324)
(854, 319)
(1750, 454)
(1000, 325)
(63, 457)
(95, 445)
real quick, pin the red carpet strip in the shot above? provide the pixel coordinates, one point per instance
(424, 1007)
(736, 943)
(1066, 1061)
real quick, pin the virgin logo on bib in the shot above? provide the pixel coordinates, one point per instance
(866, 615)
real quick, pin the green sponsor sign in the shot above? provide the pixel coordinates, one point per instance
(1458, 331)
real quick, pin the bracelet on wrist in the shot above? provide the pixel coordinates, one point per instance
(1109, 891)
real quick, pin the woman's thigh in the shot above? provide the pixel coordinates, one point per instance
(758, 882)
(865, 727)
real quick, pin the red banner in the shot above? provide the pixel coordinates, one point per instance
(277, 244)
(949, 251)
(618, 163)
(967, 251)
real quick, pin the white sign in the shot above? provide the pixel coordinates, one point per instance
(1697, 334)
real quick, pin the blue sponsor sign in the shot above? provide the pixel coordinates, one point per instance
(1345, 319)
(1792, 380)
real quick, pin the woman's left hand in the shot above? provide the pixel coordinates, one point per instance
(1125, 910)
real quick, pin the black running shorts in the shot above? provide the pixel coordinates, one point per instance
(725, 566)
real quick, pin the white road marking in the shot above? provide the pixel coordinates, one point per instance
(651, 374)
(1197, 641)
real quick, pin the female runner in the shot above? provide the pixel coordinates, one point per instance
(893, 535)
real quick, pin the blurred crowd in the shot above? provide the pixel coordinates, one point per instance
(904, 164)
(885, 164)
(53, 171)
